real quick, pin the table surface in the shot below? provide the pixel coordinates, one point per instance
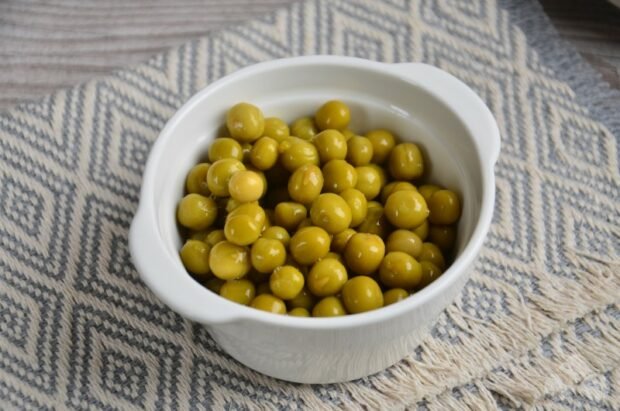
(50, 44)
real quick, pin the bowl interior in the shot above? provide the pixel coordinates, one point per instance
(377, 100)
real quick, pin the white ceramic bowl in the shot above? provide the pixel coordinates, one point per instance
(419, 103)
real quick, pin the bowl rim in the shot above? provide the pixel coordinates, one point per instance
(146, 215)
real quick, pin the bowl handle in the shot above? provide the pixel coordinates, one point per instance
(161, 272)
(461, 99)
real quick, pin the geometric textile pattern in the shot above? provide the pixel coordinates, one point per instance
(538, 324)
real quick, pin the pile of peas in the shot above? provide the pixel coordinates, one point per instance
(343, 228)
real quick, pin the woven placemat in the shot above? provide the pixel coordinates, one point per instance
(537, 325)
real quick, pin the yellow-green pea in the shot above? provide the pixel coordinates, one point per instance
(334, 114)
(262, 176)
(220, 173)
(302, 300)
(289, 214)
(430, 252)
(299, 312)
(422, 230)
(245, 186)
(225, 147)
(196, 212)
(383, 177)
(330, 212)
(232, 204)
(347, 133)
(382, 144)
(239, 291)
(405, 162)
(299, 153)
(229, 261)
(269, 303)
(427, 190)
(326, 277)
(306, 222)
(361, 294)
(329, 307)
(215, 237)
(245, 122)
(242, 229)
(394, 295)
(400, 270)
(264, 153)
(331, 145)
(339, 176)
(359, 151)
(195, 257)
(286, 282)
(309, 244)
(430, 272)
(305, 184)
(288, 143)
(276, 129)
(253, 210)
(340, 240)
(445, 207)
(267, 255)
(357, 203)
(196, 181)
(406, 209)
(364, 253)
(443, 236)
(335, 256)
(304, 128)
(396, 186)
(405, 241)
(375, 221)
(368, 181)
(277, 233)
(199, 235)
